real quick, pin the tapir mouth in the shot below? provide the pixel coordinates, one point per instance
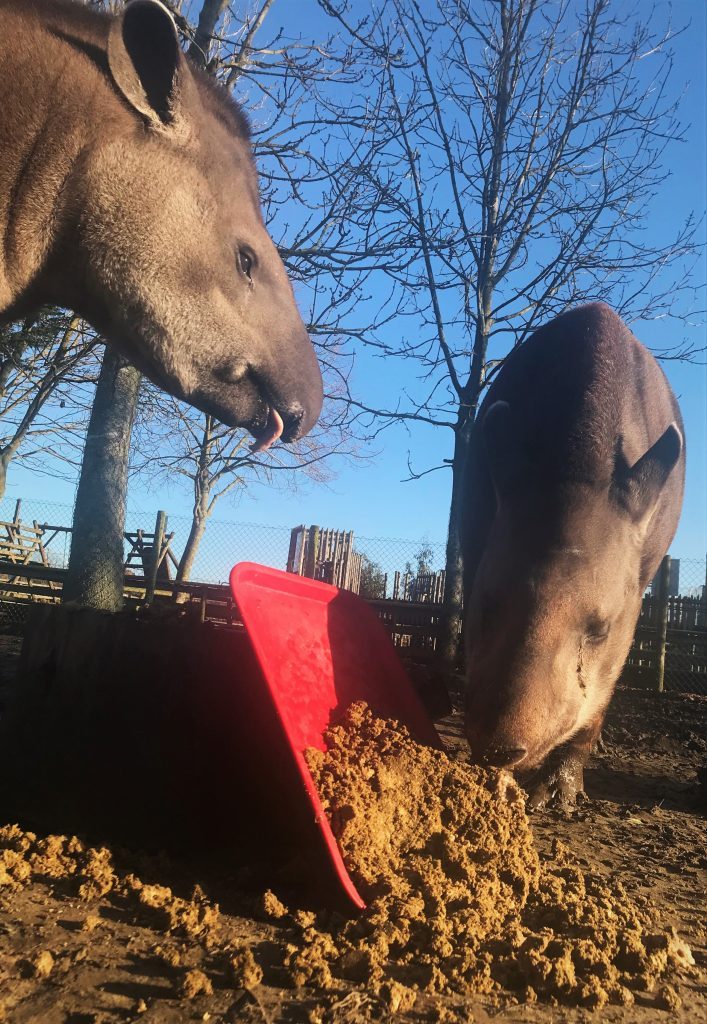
(272, 432)
(522, 760)
(505, 757)
(518, 754)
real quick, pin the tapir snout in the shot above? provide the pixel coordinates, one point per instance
(285, 405)
(525, 694)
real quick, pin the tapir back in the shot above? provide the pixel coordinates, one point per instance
(582, 389)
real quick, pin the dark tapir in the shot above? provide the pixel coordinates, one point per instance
(573, 495)
(128, 192)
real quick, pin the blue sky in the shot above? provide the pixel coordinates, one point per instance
(371, 497)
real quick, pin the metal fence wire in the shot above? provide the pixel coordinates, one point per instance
(408, 575)
(225, 543)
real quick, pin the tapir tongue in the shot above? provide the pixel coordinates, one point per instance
(270, 434)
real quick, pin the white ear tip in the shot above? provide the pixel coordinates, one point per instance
(151, 3)
(679, 439)
(498, 408)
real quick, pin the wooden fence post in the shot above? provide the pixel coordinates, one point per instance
(310, 567)
(662, 619)
(151, 581)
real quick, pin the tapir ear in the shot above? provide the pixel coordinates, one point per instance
(638, 488)
(500, 446)
(146, 61)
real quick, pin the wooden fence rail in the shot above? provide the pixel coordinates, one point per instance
(21, 544)
(669, 648)
(682, 612)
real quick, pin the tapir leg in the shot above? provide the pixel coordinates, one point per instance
(560, 780)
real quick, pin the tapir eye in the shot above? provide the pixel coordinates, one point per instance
(597, 631)
(245, 261)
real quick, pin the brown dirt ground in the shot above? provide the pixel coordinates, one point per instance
(92, 937)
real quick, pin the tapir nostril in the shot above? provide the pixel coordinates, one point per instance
(292, 418)
(505, 757)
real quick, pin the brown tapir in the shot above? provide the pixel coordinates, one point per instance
(128, 193)
(572, 497)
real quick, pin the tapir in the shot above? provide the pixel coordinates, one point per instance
(572, 496)
(128, 192)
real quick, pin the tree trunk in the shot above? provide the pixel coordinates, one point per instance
(200, 48)
(453, 605)
(453, 608)
(95, 574)
(13, 346)
(186, 562)
(5, 458)
(200, 512)
(453, 601)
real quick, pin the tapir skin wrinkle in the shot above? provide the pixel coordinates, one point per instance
(128, 192)
(572, 496)
(580, 678)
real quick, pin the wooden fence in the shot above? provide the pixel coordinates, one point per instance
(39, 583)
(327, 555)
(27, 575)
(21, 543)
(422, 587)
(683, 612)
(410, 624)
(669, 649)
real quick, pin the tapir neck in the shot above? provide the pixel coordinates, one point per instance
(56, 102)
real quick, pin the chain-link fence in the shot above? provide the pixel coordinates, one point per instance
(225, 543)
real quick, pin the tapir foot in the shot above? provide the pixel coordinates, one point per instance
(558, 783)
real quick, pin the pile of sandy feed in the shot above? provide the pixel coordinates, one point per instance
(459, 903)
(457, 898)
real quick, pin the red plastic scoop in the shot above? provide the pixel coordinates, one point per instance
(321, 648)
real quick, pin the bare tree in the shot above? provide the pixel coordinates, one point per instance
(44, 364)
(173, 440)
(522, 148)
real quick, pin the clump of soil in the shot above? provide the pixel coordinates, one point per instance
(195, 983)
(458, 901)
(89, 873)
(23, 857)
